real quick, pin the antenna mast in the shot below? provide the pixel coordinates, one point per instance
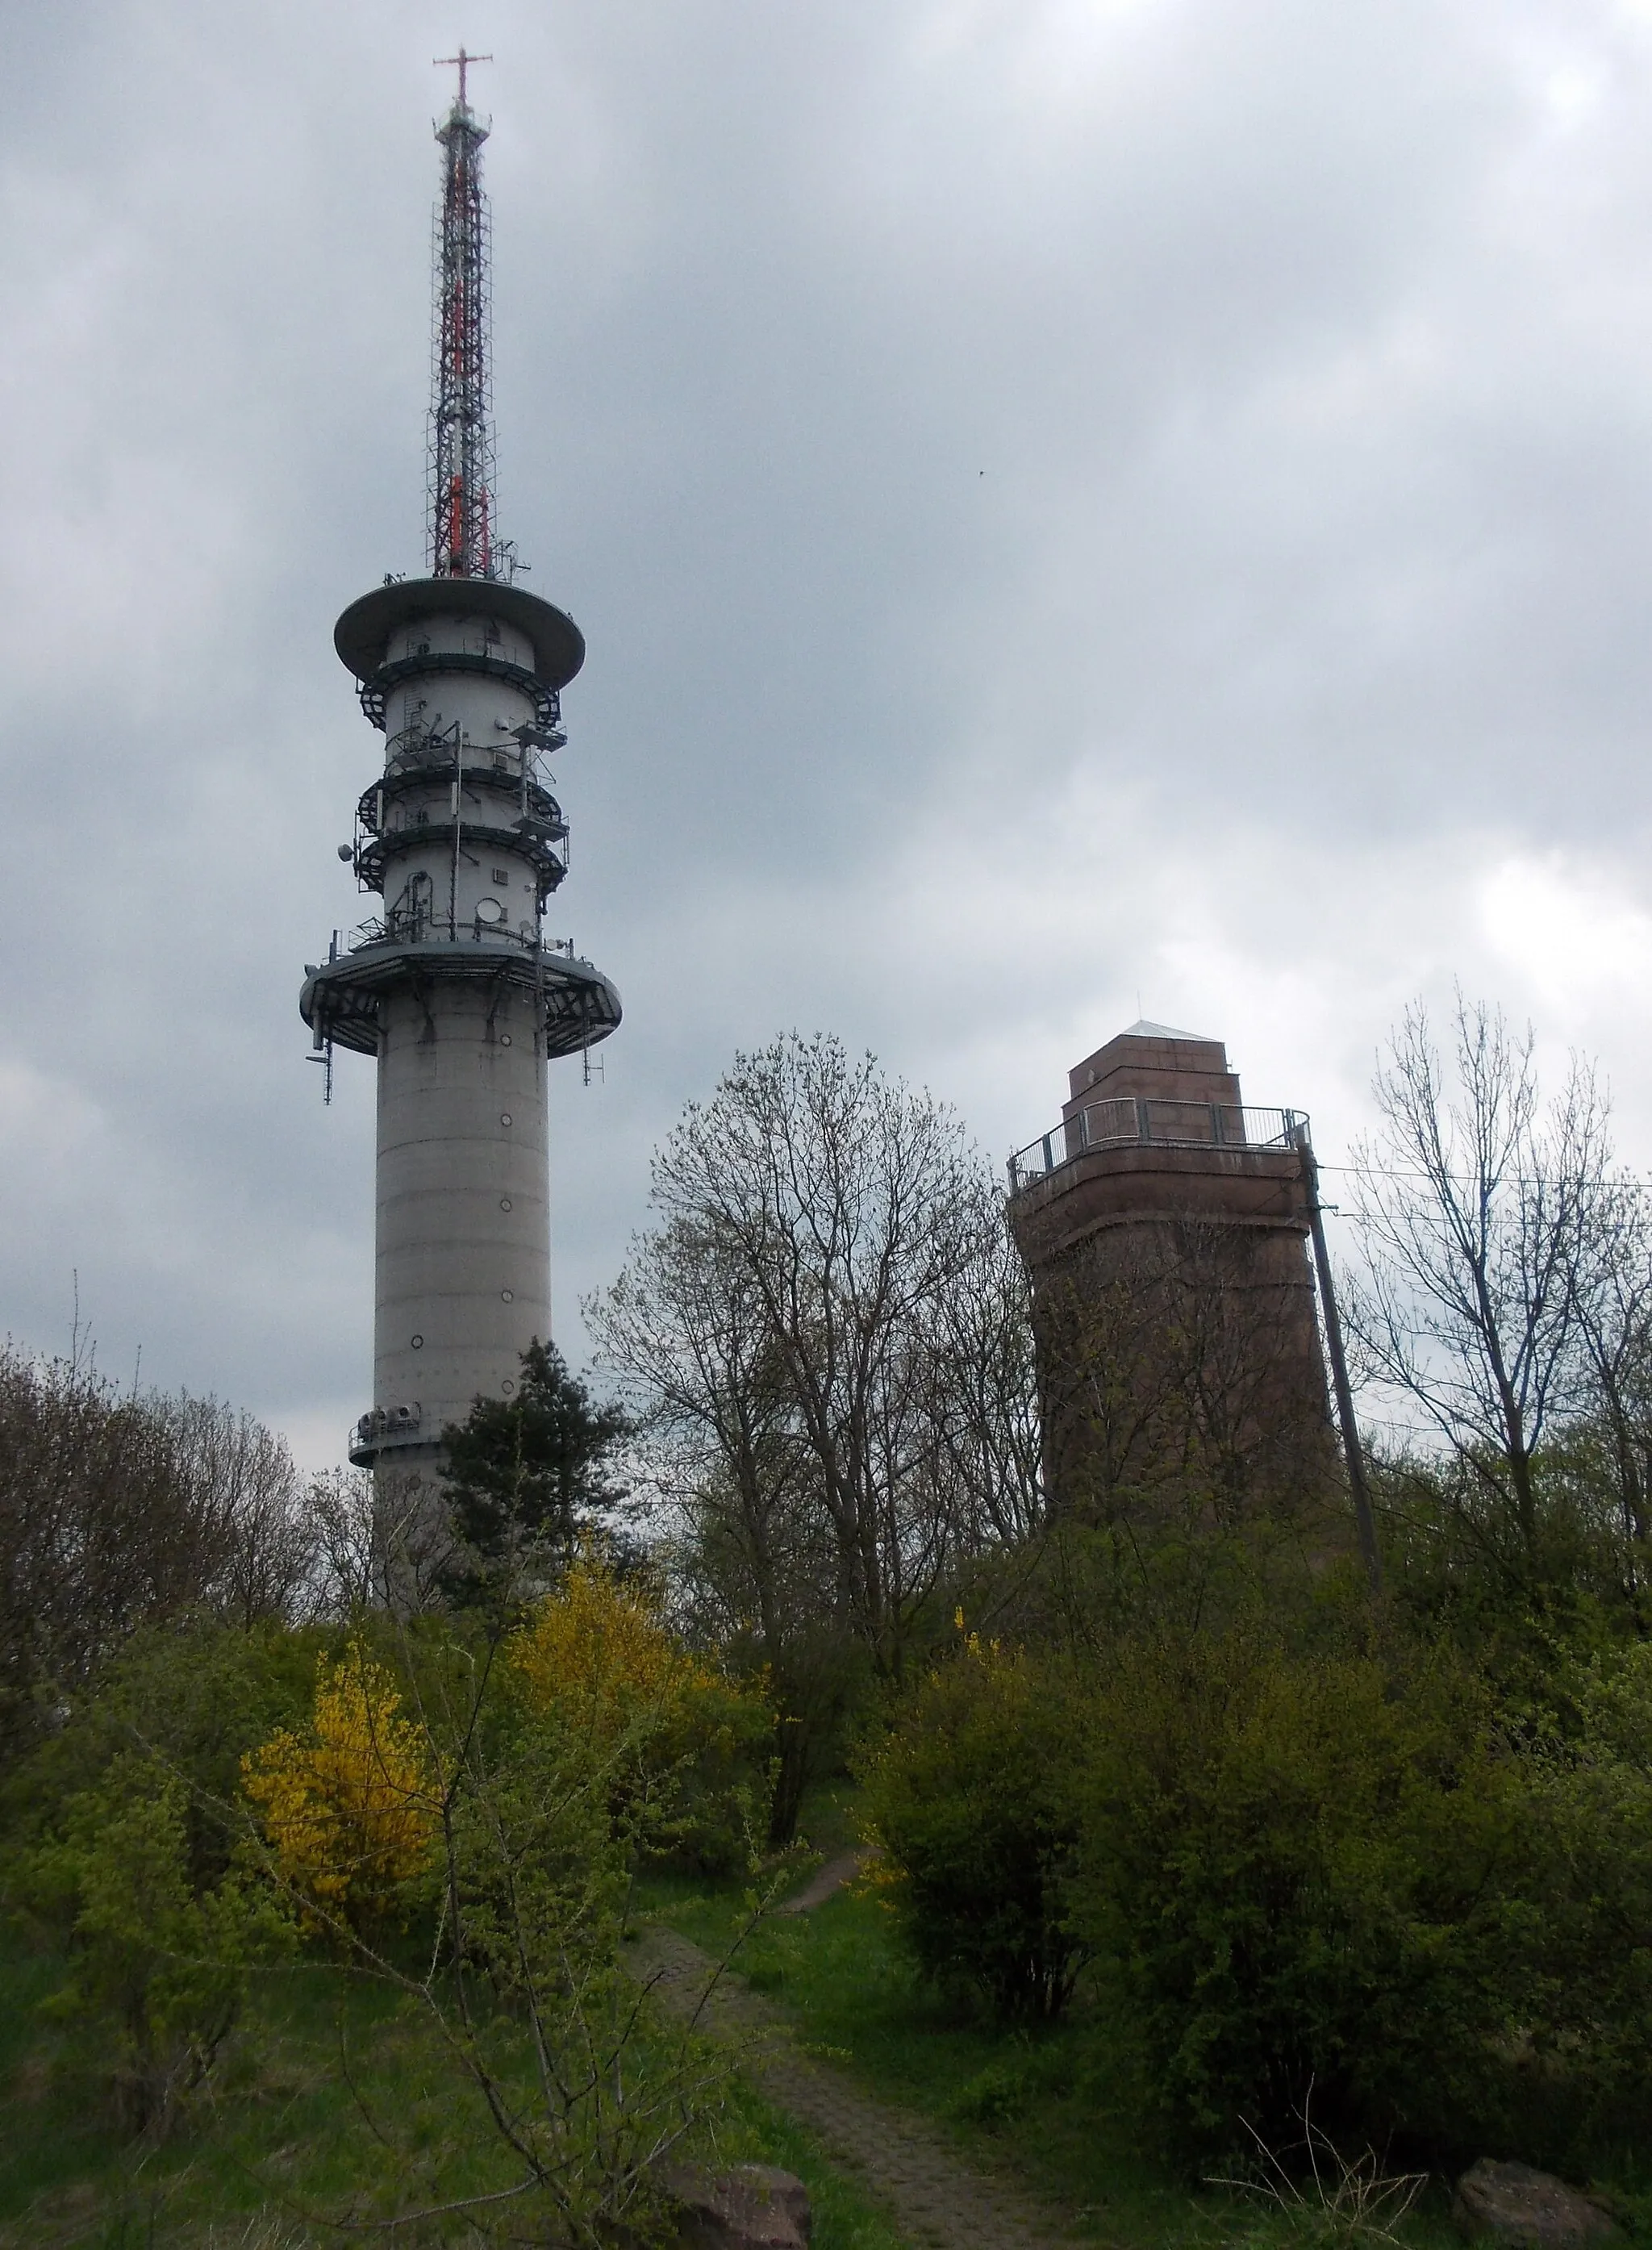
(460, 500)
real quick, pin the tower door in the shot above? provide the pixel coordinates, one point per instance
(410, 916)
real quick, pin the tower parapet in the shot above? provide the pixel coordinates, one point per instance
(453, 986)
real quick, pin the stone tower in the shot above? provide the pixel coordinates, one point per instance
(1165, 1227)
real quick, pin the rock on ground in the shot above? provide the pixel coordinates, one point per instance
(746, 2207)
(1514, 2205)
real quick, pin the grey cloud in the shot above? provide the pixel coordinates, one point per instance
(1306, 353)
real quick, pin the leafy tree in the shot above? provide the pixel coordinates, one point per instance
(191, 1696)
(527, 1477)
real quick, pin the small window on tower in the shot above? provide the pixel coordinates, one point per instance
(501, 874)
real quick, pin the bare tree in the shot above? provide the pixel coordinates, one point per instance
(117, 1508)
(1615, 1322)
(751, 1552)
(245, 1499)
(94, 1534)
(822, 1330)
(686, 1329)
(342, 1520)
(378, 1539)
(1480, 1214)
(979, 1349)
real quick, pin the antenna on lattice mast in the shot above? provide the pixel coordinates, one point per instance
(460, 500)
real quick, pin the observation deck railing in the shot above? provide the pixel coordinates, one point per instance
(433, 929)
(1127, 1120)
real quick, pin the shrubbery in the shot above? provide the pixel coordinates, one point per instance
(1587, 2049)
(973, 1800)
(693, 1743)
(157, 1967)
(1296, 1852)
(350, 1806)
(455, 1805)
(1301, 1868)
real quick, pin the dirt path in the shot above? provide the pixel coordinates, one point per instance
(936, 2198)
(824, 1881)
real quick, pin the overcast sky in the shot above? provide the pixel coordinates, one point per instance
(1078, 507)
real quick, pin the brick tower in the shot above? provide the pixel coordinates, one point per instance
(1165, 1227)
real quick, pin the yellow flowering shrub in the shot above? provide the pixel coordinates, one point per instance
(600, 1648)
(350, 1811)
(597, 1654)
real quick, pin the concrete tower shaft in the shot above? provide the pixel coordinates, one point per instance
(453, 986)
(464, 1225)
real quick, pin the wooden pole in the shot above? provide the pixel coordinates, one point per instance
(1364, 1514)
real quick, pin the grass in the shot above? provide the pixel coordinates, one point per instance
(335, 2103)
(284, 2138)
(844, 2218)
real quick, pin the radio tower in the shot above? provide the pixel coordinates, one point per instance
(461, 418)
(453, 986)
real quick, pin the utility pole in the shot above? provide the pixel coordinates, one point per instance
(1364, 1514)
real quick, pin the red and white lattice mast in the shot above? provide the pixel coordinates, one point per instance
(453, 986)
(461, 494)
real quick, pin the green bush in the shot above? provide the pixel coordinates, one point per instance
(690, 1744)
(970, 1802)
(1032, 2072)
(158, 1969)
(193, 1695)
(1585, 2056)
(1352, 1870)
(718, 1741)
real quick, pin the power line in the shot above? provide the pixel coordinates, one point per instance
(1515, 1180)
